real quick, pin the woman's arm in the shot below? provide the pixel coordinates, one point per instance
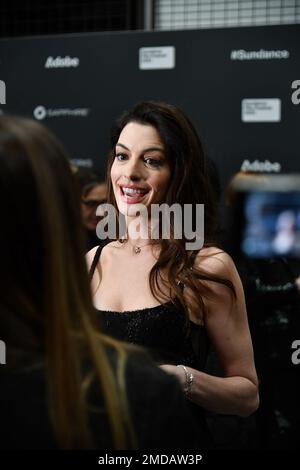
(227, 326)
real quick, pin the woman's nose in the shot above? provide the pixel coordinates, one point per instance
(133, 170)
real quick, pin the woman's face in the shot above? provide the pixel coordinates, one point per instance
(140, 173)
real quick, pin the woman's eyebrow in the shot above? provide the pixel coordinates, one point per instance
(118, 144)
(148, 149)
(151, 149)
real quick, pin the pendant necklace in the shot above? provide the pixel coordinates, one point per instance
(135, 248)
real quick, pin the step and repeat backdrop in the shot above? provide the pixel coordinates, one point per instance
(240, 86)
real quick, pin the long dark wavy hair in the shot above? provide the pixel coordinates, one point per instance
(190, 183)
(46, 309)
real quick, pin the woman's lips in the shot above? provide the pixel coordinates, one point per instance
(134, 198)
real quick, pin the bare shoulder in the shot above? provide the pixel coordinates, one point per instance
(216, 261)
(106, 251)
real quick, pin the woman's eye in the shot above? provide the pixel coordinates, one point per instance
(121, 157)
(153, 161)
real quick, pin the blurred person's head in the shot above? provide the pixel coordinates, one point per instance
(93, 193)
(286, 221)
(45, 304)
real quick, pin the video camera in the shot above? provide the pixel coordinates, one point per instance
(266, 211)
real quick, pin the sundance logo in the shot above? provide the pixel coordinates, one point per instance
(61, 62)
(262, 54)
(40, 112)
(263, 167)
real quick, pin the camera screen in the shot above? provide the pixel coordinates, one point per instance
(271, 224)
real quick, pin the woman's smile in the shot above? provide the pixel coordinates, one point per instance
(140, 173)
(133, 194)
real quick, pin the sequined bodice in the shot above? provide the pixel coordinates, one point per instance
(163, 330)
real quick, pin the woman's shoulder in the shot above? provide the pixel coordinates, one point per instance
(225, 283)
(216, 261)
(105, 249)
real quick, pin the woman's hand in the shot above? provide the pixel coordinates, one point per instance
(178, 372)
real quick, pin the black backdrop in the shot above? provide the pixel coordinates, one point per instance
(104, 78)
(205, 81)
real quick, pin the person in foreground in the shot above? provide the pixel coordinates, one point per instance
(157, 293)
(64, 384)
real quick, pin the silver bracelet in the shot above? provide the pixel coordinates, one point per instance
(189, 378)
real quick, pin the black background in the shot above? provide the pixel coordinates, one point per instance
(205, 82)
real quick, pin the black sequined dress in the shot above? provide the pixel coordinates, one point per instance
(165, 332)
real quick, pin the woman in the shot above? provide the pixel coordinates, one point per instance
(155, 292)
(64, 384)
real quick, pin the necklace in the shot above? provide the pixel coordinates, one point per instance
(136, 248)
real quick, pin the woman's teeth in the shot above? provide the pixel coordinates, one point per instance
(133, 192)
